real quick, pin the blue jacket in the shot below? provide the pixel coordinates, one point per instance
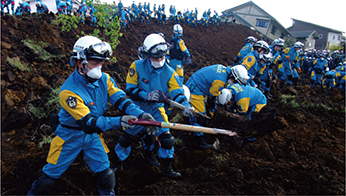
(78, 98)
(247, 99)
(143, 78)
(245, 50)
(210, 80)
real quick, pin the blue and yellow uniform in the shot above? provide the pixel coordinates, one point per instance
(204, 83)
(177, 53)
(243, 52)
(247, 99)
(329, 79)
(290, 63)
(317, 71)
(253, 66)
(83, 101)
(141, 79)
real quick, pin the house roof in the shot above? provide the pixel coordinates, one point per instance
(252, 3)
(304, 34)
(319, 26)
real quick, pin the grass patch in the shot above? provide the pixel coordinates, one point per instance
(37, 48)
(16, 63)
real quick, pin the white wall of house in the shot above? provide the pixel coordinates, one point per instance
(334, 38)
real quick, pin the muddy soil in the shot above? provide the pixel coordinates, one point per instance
(301, 150)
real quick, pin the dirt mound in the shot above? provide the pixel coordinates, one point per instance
(301, 152)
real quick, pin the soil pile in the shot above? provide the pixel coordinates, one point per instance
(302, 152)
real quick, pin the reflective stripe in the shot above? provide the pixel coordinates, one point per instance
(55, 150)
(163, 114)
(103, 143)
(197, 101)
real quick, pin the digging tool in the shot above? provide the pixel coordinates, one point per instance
(180, 106)
(183, 127)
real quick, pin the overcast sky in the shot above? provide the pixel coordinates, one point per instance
(330, 13)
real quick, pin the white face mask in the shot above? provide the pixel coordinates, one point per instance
(322, 58)
(157, 65)
(95, 73)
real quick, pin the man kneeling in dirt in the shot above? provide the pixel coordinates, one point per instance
(84, 97)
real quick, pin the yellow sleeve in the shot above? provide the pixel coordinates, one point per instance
(173, 84)
(182, 45)
(215, 87)
(132, 76)
(248, 63)
(73, 104)
(112, 89)
(243, 105)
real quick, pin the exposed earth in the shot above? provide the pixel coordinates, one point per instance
(301, 150)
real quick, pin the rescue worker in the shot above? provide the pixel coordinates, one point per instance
(290, 65)
(317, 72)
(62, 8)
(41, 8)
(178, 52)
(205, 85)
(329, 79)
(83, 98)
(144, 81)
(245, 99)
(249, 42)
(252, 62)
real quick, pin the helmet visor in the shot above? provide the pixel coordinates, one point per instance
(102, 50)
(158, 50)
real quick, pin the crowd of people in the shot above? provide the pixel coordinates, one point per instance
(131, 14)
(243, 88)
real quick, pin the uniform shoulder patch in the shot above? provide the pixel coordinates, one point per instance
(132, 72)
(71, 102)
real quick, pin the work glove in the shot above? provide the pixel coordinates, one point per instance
(287, 57)
(124, 121)
(299, 70)
(153, 95)
(188, 111)
(149, 129)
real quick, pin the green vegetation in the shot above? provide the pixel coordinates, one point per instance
(332, 48)
(37, 48)
(16, 63)
(52, 106)
(45, 140)
(290, 99)
(68, 22)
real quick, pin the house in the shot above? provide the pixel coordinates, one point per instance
(326, 36)
(256, 18)
(308, 38)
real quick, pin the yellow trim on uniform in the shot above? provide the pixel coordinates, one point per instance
(163, 114)
(79, 111)
(132, 79)
(104, 143)
(55, 150)
(197, 101)
(244, 103)
(182, 45)
(249, 64)
(215, 87)
(262, 69)
(110, 87)
(259, 107)
(173, 83)
(180, 71)
(280, 66)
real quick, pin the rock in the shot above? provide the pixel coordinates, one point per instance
(5, 45)
(11, 98)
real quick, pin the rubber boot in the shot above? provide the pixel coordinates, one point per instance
(151, 158)
(200, 142)
(167, 170)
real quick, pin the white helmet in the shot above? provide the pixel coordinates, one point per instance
(278, 42)
(250, 39)
(187, 93)
(155, 46)
(240, 74)
(298, 45)
(262, 44)
(38, 4)
(90, 47)
(177, 30)
(224, 97)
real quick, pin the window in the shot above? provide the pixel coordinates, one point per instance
(320, 36)
(338, 37)
(333, 37)
(262, 23)
(273, 30)
(309, 44)
(282, 35)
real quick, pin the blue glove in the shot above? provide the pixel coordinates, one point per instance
(153, 95)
